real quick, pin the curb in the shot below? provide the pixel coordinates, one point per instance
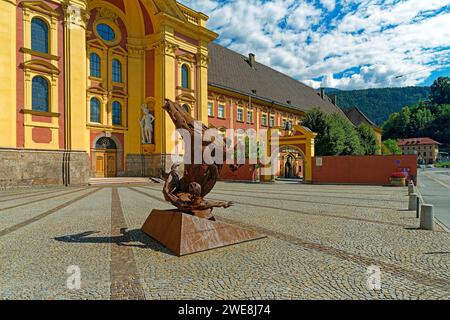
(438, 222)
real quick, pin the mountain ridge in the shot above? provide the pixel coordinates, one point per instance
(379, 103)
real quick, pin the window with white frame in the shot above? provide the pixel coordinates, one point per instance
(210, 109)
(272, 121)
(264, 119)
(221, 111)
(240, 115)
(249, 116)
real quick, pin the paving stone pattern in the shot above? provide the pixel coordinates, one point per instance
(321, 241)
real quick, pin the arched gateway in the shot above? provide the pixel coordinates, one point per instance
(293, 156)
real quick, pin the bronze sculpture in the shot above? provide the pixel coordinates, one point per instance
(192, 228)
(187, 193)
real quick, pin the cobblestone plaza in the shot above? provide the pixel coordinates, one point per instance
(320, 242)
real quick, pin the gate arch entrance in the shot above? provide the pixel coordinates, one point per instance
(293, 145)
(290, 163)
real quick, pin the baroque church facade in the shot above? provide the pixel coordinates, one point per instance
(78, 76)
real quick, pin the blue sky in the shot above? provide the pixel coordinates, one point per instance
(344, 44)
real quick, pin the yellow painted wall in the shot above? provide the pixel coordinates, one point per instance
(7, 73)
(76, 68)
(168, 18)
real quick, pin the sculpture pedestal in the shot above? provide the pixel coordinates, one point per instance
(185, 234)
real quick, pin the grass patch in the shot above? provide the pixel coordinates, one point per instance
(442, 164)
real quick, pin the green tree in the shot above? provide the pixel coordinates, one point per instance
(348, 136)
(316, 120)
(390, 147)
(398, 124)
(439, 129)
(440, 91)
(368, 140)
(336, 135)
(421, 117)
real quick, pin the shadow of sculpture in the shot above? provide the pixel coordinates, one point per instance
(129, 238)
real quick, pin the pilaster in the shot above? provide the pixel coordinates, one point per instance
(8, 73)
(165, 50)
(75, 20)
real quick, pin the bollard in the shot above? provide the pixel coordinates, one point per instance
(427, 217)
(412, 202)
(418, 208)
(411, 188)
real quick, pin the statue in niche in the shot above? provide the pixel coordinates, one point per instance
(147, 125)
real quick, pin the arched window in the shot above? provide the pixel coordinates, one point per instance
(117, 113)
(185, 76)
(106, 32)
(116, 71)
(95, 110)
(95, 65)
(105, 143)
(39, 35)
(40, 94)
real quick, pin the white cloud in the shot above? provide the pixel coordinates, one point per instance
(328, 4)
(304, 16)
(378, 40)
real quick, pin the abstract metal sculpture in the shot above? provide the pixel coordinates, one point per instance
(193, 228)
(187, 193)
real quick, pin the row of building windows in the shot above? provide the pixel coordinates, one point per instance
(95, 111)
(40, 102)
(240, 115)
(96, 68)
(420, 147)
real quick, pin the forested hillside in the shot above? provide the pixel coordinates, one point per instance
(379, 104)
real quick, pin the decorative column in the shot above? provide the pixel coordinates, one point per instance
(202, 83)
(136, 89)
(76, 17)
(8, 71)
(165, 50)
(309, 155)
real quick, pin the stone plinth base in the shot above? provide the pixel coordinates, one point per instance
(21, 168)
(185, 234)
(140, 165)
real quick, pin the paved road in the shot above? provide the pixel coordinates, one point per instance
(434, 184)
(322, 243)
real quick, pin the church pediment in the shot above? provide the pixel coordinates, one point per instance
(169, 7)
(40, 66)
(39, 6)
(97, 44)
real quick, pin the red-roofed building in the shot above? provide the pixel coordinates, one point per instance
(426, 149)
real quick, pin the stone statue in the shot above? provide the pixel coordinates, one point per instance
(147, 125)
